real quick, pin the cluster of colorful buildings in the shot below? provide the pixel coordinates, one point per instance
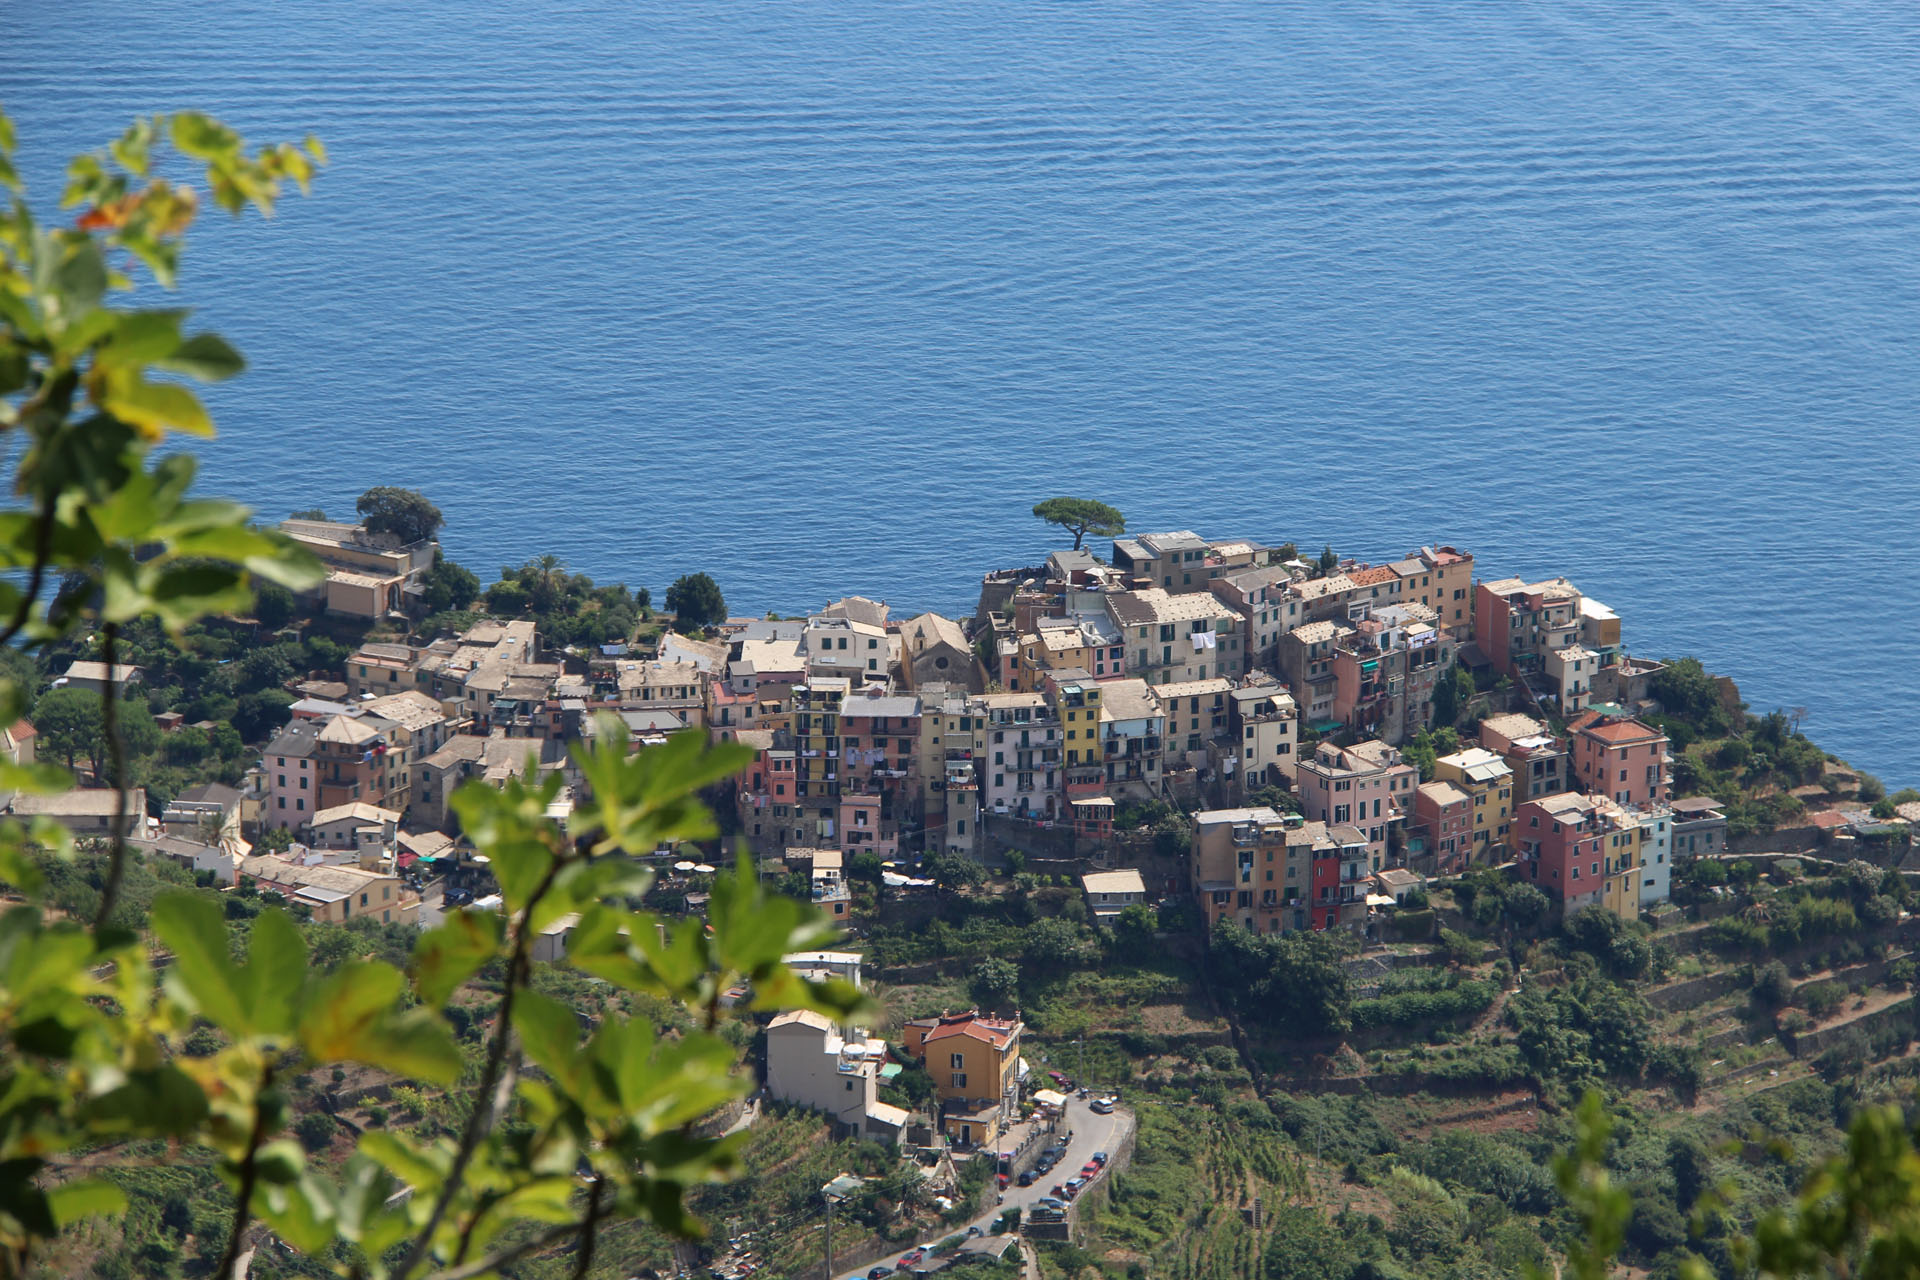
(1212, 676)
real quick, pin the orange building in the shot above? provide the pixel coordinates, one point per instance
(975, 1065)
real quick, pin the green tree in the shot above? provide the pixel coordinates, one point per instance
(995, 983)
(402, 513)
(508, 596)
(1685, 691)
(316, 1131)
(953, 871)
(69, 722)
(273, 606)
(695, 601)
(447, 586)
(1304, 1246)
(1328, 562)
(1082, 516)
(1452, 694)
(261, 713)
(1054, 944)
(308, 513)
(1133, 929)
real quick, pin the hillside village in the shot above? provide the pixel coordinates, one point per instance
(1216, 747)
(1271, 700)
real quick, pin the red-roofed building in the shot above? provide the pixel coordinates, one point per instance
(975, 1064)
(1621, 758)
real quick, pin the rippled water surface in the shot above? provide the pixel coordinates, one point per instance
(822, 298)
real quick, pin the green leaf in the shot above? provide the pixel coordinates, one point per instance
(301, 1211)
(206, 356)
(417, 1044)
(351, 1018)
(204, 976)
(141, 337)
(81, 278)
(549, 1033)
(276, 971)
(424, 1171)
(444, 958)
(162, 1102)
(88, 1197)
(155, 407)
(203, 137)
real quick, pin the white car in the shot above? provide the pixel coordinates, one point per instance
(1101, 1106)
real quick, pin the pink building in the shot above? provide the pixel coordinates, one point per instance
(1560, 846)
(1366, 786)
(1443, 816)
(1620, 758)
(293, 787)
(880, 732)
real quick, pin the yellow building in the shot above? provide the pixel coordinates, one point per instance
(975, 1065)
(1484, 776)
(1622, 849)
(1076, 703)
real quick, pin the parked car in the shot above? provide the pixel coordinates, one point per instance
(973, 1231)
(1061, 1193)
(1100, 1158)
(912, 1256)
(1057, 1078)
(1101, 1106)
(1025, 1179)
(1000, 1180)
(1050, 1202)
(880, 1272)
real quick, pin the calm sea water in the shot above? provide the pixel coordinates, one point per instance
(821, 298)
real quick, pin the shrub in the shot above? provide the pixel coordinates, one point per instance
(1420, 1006)
(1820, 999)
(315, 1130)
(1772, 987)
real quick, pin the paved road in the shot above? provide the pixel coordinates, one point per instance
(1091, 1133)
(432, 906)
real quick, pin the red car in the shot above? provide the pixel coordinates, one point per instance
(1088, 1169)
(908, 1259)
(1002, 1179)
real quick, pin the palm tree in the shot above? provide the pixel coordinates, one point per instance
(549, 573)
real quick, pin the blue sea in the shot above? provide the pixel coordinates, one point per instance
(821, 298)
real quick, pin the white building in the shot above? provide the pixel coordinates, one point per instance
(1656, 856)
(1111, 892)
(810, 1064)
(358, 826)
(822, 965)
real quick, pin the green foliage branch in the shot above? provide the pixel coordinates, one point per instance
(566, 1129)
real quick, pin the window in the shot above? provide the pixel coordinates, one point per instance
(300, 805)
(363, 899)
(283, 802)
(386, 893)
(959, 1079)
